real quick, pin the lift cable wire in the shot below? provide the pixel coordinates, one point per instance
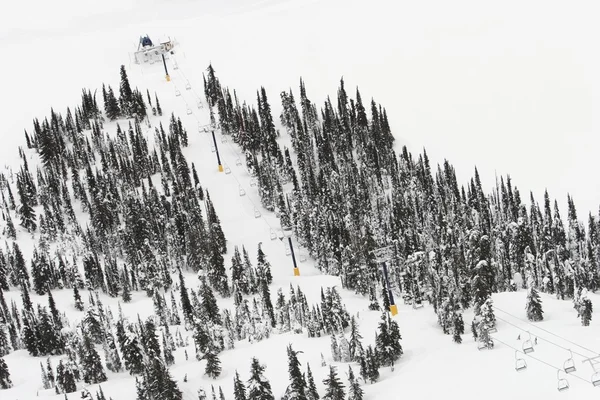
(551, 333)
(210, 138)
(539, 360)
(542, 338)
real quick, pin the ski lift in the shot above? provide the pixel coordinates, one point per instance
(256, 213)
(238, 162)
(481, 346)
(223, 139)
(302, 258)
(188, 86)
(227, 169)
(175, 66)
(562, 384)
(493, 329)
(596, 376)
(212, 148)
(252, 182)
(527, 346)
(242, 191)
(407, 298)
(189, 111)
(273, 235)
(569, 364)
(287, 250)
(416, 305)
(199, 104)
(177, 92)
(520, 363)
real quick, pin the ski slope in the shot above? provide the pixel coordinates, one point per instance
(432, 365)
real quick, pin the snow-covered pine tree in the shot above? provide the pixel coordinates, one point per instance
(312, 393)
(93, 371)
(335, 349)
(213, 364)
(584, 308)
(263, 266)
(534, 304)
(355, 345)
(239, 390)
(372, 365)
(355, 392)
(297, 387)
(334, 388)
(258, 385)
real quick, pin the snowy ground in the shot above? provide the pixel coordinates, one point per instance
(451, 80)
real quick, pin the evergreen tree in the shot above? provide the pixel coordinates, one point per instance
(534, 305)
(93, 371)
(5, 381)
(239, 390)
(334, 389)
(355, 392)
(297, 388)
(312, 393)
(77, 298)
(258, 385)
(213, 364)
(584, 309)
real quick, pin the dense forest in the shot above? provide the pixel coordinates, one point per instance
(116, 212)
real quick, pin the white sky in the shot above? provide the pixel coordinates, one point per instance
(511, 87)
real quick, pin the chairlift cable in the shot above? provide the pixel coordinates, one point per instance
(551, 333)
(232, 173)
(542, 338)
(537, 359)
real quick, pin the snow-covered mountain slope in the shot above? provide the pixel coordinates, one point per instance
(407, 75)
(432, 365)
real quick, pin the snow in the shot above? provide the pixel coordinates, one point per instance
(508, 88)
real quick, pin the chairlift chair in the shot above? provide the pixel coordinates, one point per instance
(238, 162)
(252, 182)
(287, 250)
(481, 346)
(189, 111)
(528, 346)
(520, 363)
(199, 104)
(569, 364)
(416, 305)
(212, 148)
(493, 329)
(188, 86)
(177, 92)
(273, 235)
(242, 191)
(223, 139)
(256, 213)
(227, 170)
(302, 258)
(596, 378)
(562, 383)
(175, 66)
